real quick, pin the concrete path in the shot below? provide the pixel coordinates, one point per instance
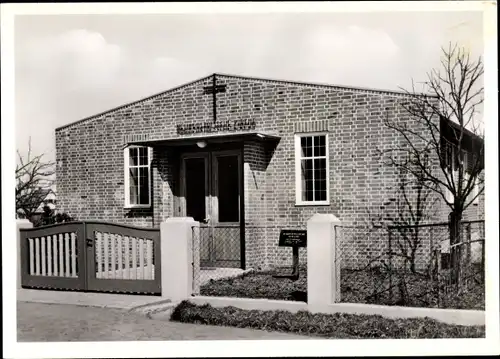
(39, 322)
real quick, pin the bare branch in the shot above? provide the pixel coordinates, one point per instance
(34, 178)
(440, 145)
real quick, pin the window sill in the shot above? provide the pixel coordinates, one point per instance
(137, 207)
(311, 204)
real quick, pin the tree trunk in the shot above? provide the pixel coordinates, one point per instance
(455, 219)
(414, 247)
(413, 267)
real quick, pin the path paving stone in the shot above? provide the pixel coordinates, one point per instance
(105, 300)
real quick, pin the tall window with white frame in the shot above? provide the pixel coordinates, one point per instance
(311, 169)
(469, 165)
(137, 177)
(452, 166)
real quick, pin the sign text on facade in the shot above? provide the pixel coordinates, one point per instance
(209, 127)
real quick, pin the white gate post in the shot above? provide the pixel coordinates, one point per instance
(21, 223)
(322, 286)
(177, 257)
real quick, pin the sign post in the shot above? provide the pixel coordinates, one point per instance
(293, 238)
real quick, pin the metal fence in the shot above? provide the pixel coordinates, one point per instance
(411, 265)
(217, 262)
(216, 254)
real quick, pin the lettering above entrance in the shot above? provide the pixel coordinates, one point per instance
(210, 127)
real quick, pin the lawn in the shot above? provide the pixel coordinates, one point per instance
(365, 286)
(339, 326)
(258, 285)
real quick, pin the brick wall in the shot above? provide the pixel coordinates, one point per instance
(255, 199)
(354, 121)
(89, 155)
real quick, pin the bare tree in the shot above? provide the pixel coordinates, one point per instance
(34, 178)
(414, 206)
(409, 205)
(442, 142)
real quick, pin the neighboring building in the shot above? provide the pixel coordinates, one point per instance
(50, 201)
(48, 198)
(244, 156)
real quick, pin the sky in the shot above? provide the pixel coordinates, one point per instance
(68, 67)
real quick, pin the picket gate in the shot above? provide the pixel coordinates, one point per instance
(91, 256)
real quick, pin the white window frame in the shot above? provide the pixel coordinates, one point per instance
(475, 187)
(474, 191)
(126, 166)
(453, 175)
(298, 160)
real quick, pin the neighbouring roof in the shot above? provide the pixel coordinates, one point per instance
(47, 197)
(471, 142)
(449, 127)
(220, 75)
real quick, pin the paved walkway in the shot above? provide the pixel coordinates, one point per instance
(104, 300)
(60, 322)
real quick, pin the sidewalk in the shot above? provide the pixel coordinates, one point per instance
(50, 316)
(39, 322)
(102, 300)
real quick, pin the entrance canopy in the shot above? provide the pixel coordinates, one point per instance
(209, 187)
(207, 139)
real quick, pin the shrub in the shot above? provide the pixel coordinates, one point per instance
(49, 217)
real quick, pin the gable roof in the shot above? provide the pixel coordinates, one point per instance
(221, 75)
(449, 127)
(41, 196)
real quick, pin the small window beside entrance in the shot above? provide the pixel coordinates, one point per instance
(137, 163)
(311, 169)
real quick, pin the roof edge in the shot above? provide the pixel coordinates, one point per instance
(132, 103)
(326, 85)
(466, 131)
(300, 83)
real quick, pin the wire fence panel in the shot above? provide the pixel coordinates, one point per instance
(220, 246)
(396, 265)
(461, 282)
(215, 272)
(216, 254)
(361, 258)
(411, 265)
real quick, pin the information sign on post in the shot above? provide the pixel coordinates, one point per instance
(294, 238)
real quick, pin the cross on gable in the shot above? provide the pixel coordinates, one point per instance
(210, 89)
(214, 90)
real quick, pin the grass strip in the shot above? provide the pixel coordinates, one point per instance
(338, 325)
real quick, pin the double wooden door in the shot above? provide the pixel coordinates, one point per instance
(211, 194)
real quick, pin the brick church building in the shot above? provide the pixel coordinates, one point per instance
(245, 157)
